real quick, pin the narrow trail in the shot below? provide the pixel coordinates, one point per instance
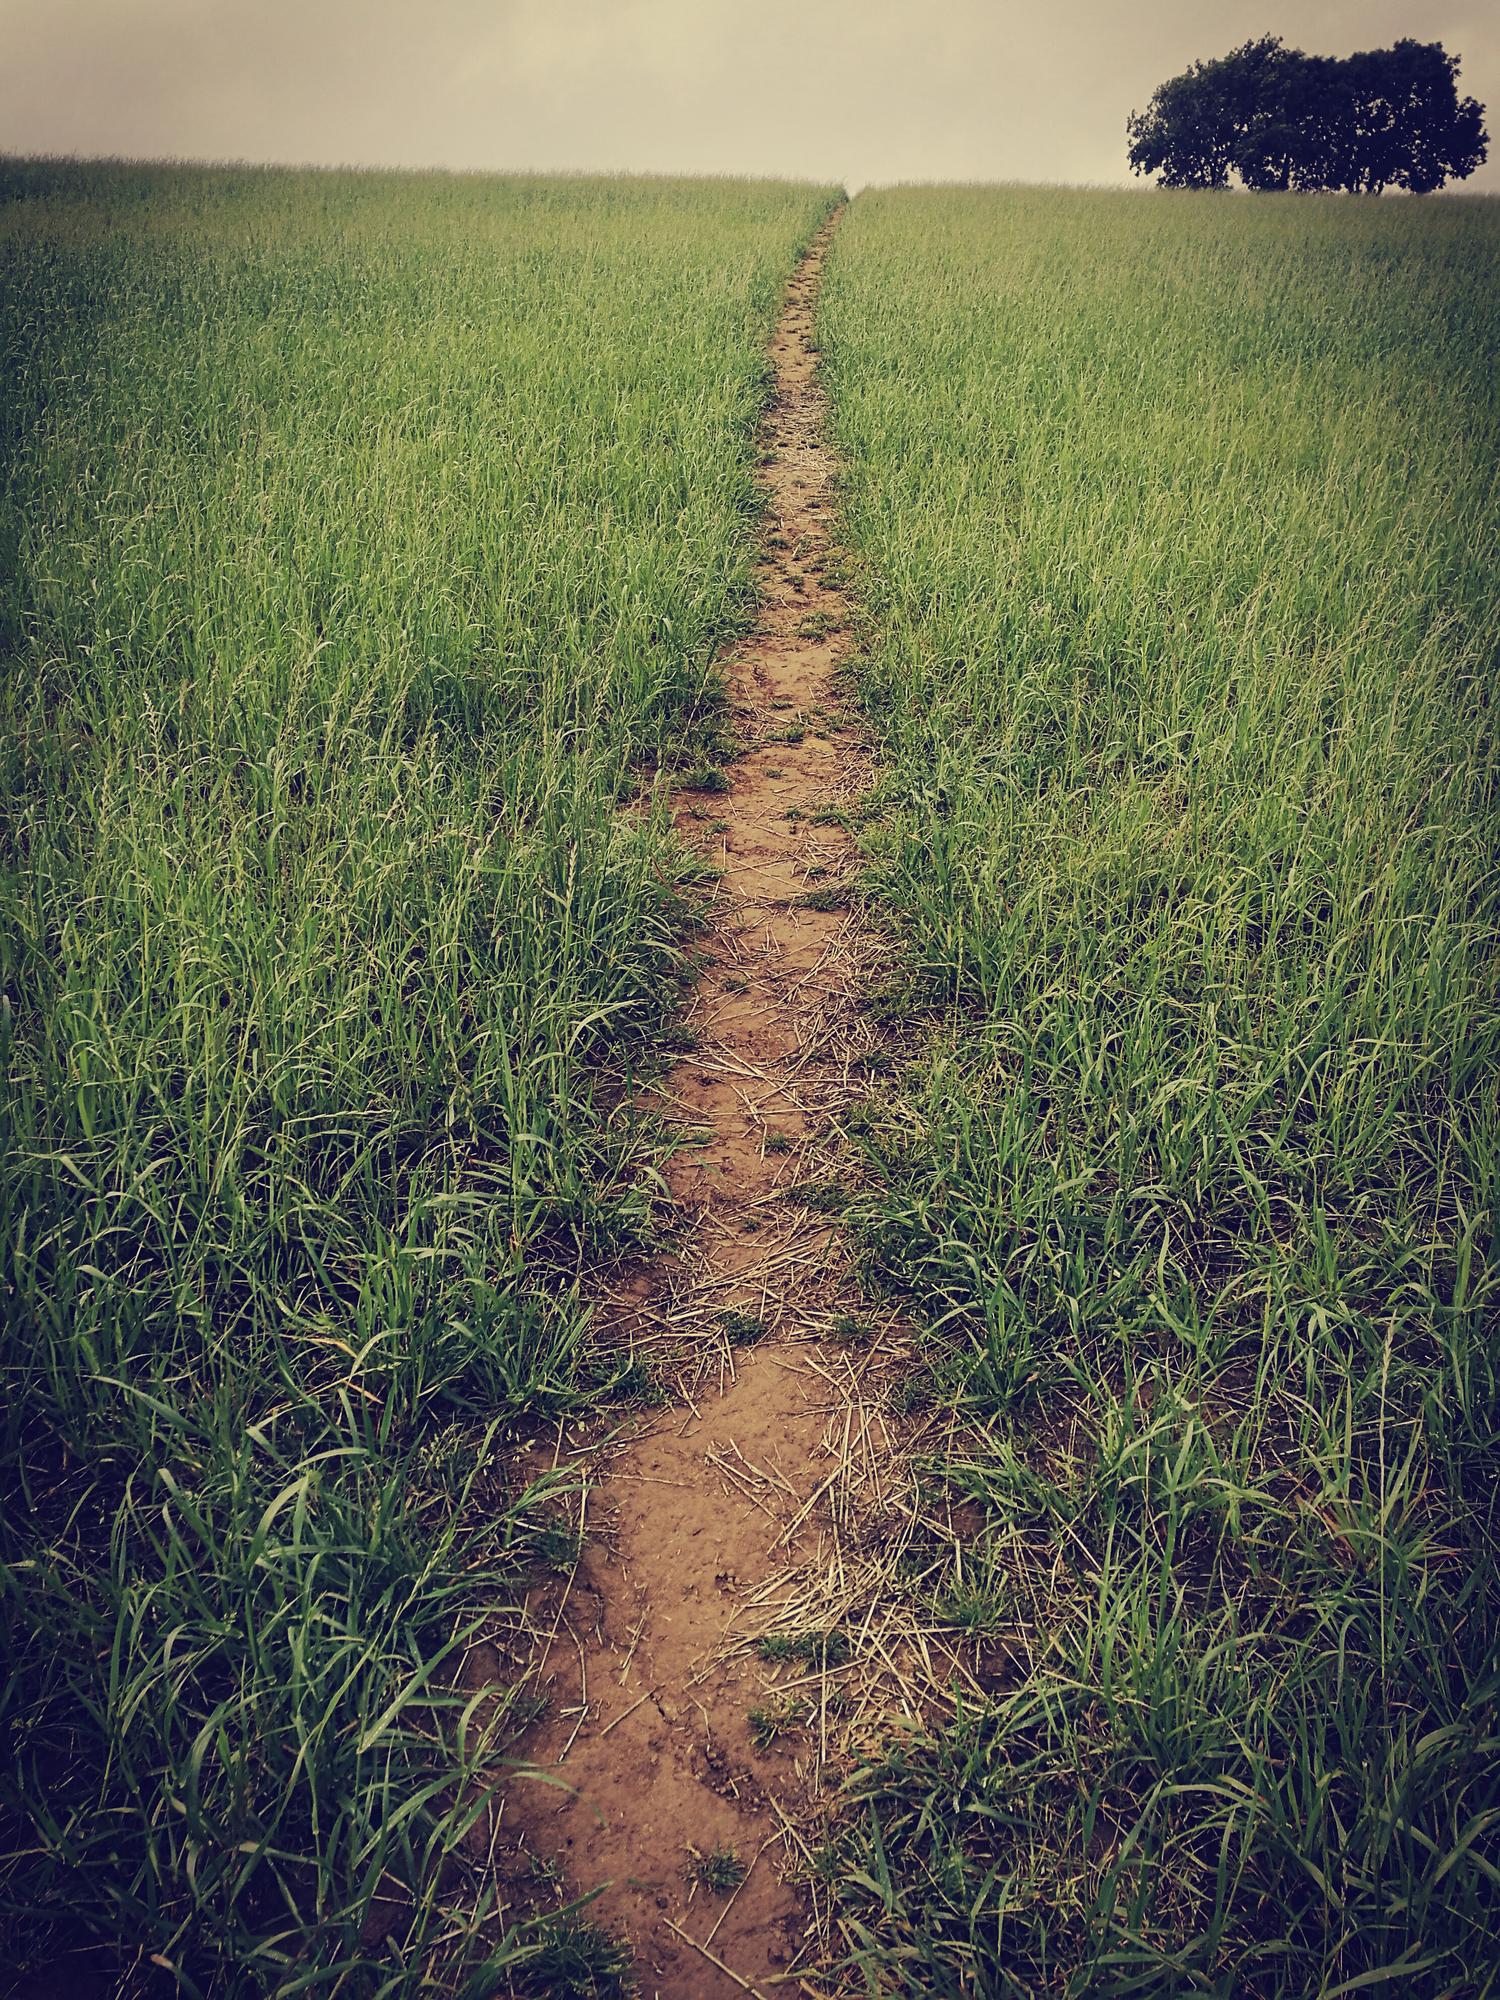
(742, 1510)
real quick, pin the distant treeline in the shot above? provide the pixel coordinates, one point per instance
(1281, 119)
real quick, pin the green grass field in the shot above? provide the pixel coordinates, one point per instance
(365, 540)
(365, 543)
(1176, 521)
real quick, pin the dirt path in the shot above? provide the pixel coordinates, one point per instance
(733, 1515)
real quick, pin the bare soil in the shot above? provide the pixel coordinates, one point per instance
(724, 1517)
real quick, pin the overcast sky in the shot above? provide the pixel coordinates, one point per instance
(853, 90)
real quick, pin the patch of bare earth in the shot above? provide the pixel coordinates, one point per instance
(768, 1503)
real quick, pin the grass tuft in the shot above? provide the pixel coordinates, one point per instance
(720, 1871)
(741, 1329)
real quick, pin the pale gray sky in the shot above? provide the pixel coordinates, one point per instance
(853, 90)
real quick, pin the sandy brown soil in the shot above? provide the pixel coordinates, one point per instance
(707, 1521)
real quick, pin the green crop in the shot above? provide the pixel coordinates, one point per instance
(1175, 519)
(366, 541)
(365, 544)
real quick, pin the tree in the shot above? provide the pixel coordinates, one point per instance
(1280, 119)
(1410, 128)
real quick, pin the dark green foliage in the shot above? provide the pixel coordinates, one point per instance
(742, 1329)
(1280, 119)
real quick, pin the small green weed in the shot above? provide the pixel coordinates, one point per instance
(575, 1959)
(720, 1871)
(741, 1329)
(637, 1383)
(816, 1649)
(850, 1330)
(822, 1197)
(704, 778)
(775, 1719)
(973, 1607)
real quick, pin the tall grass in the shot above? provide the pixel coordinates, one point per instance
(365, 538)
(1176, 518)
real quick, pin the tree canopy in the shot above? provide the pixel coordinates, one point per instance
(1281, 119)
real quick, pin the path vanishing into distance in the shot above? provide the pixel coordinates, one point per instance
(739, 1510)
(806, 1316)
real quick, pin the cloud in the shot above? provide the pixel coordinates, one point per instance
(860, 90)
